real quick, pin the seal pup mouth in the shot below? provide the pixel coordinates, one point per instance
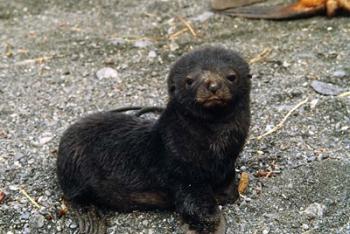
(213, 101)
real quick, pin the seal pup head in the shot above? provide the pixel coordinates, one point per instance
(210, 79)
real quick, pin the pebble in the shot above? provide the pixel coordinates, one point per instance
(73, 225)
(143, 43)
(313, 103)
(305, 226)
(38, 221)
(203, 17)
(315, 210)
(118, 41)
(25, 215)
(152, 54)
(45, 138)
(107, 72)
(340, 73)
(326, 88)
(311, 158)
(174, 46)
(13, 187)
(18, 156)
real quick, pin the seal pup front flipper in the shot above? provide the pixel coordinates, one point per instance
(90, 220)
(301, 9)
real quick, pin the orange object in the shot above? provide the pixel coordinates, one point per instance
(243, 182)
(300, 9)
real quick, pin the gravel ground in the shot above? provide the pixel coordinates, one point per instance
(51, 50)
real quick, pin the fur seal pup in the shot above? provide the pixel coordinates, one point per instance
(184, 160)
(300, 9)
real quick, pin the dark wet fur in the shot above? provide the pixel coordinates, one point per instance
(185, 160)
(140, 110)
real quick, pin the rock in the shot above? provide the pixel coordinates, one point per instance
(118, 41)
(143, 43)
(2, 197)
(203, 17)
(38, 221)
(25, 216)
(107, 72)
(13, 187)
(174, 46)
(152, 54)
(18, 156)
(45, 138)
(315, 210)
(313, 103)
(73, 225)
(305, 226)
(326, 88)
(340, 73)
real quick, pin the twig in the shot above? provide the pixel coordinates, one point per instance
(176, 34)
(188, 25)
(280, 124)
(345, 94)
(266, 52)
(30, 199)
(32, 61)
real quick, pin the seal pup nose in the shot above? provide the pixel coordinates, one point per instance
(213, 87)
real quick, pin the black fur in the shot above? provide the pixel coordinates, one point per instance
(184, 160)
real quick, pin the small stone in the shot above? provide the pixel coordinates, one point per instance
(315, 210)
(340, 74)
(145, 222)
(313, 103)
(311, 158)
(45, 138)
(305, 226)
(25, 216)
(73, 226)
(38, 221)
(203, 17)
(23, 201)
(107, 72)
(285, 64)
(173, 46)
(118, 41)
(152, 54)
(243, 168)
(143, 43)
(326, 88)
(13, 187)
(2, 197)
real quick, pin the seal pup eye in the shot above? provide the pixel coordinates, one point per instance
(189, 81)
(231, 77)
